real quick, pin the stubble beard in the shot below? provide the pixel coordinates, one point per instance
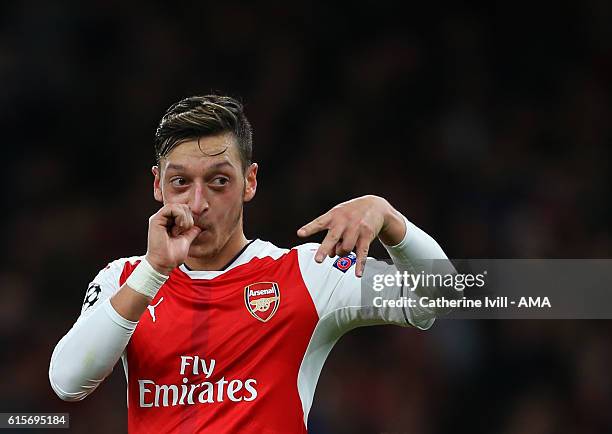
(204, 250)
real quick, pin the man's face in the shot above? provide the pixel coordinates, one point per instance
(214, 186)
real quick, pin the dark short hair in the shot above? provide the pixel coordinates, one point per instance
(201, 116)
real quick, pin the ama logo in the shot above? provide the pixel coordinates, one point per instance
(262, 299)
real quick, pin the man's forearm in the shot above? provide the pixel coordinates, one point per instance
(418, 252)
(415, 245)
(129, 303)
(88, 352)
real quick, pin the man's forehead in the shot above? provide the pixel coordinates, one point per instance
(207, 151)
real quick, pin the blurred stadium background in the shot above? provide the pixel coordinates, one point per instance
(488, 125)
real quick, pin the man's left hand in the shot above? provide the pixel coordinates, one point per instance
(353, 225)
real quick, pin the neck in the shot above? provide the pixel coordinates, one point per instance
(219, 259)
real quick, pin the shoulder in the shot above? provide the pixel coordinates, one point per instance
(306, 252)
(107, 281)
(337, 265)
(263, 249)
(307, 247)
(116, 270)
(267, 249)
(120, 263)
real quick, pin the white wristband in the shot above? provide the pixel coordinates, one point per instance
(146, 280)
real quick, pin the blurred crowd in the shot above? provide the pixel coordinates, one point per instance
(487, 125)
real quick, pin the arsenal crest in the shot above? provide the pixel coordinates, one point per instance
(262, 299)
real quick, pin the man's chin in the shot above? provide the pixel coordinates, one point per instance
(203, 237)
(202, 246)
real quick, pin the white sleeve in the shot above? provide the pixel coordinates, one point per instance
(338, 293)
(419, 252)
(85, 356)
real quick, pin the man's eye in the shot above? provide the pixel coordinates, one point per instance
(220, 181)
(178, 182)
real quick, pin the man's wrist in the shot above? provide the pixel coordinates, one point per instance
(159, 268)
(146, 280)
(394, 228)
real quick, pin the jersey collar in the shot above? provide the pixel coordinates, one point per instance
(248, 252)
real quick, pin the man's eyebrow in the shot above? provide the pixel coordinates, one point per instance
(175, 166)
(221, 164)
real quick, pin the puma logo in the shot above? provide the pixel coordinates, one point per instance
(152, 308)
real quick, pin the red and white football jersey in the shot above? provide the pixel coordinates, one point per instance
(239, 350)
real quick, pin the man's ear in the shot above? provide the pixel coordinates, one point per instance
(250, 182)
(157, 192)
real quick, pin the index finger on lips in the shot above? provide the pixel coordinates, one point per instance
(175, 222)
(163, 216)
(174, 215)
(184, 219)
(170, 210)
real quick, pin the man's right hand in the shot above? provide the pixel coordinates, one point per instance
(171, 232)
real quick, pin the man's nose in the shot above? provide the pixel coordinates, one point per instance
(197, 200)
